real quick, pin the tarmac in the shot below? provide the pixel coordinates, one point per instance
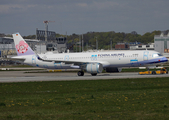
(25, 76)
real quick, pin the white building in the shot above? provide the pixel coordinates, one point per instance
(162, 43)
(142, 47)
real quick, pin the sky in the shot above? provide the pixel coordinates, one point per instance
(82, 16)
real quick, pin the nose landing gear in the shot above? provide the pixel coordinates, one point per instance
(80, 73)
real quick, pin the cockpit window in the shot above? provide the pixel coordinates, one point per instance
(159, 54)
(156, 55)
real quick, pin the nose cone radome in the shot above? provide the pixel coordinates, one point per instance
(164, 59)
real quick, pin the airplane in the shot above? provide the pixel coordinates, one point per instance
(91, 62)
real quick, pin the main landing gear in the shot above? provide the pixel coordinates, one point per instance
(93, 74)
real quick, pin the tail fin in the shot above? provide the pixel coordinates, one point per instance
(22, 48)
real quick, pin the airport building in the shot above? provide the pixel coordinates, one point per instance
(162, 43)
(7, 46)
(134, 46)
(39, 45)
(53, 43)
(121, 46)
(142, 47)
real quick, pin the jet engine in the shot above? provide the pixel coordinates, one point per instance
(113, 69)
(94, 68)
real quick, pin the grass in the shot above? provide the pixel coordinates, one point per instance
(95, 99)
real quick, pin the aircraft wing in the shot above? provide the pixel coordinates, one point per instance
(67, 62)
(74, 62)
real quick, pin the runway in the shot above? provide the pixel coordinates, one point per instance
(21, 76)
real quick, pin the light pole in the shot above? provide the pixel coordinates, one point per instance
(82, 42)
(79, 44)
(96, 44)
(111, 43)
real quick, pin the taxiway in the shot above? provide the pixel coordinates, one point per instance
(22, 76)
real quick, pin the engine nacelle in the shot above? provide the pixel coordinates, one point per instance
(113, 69)
(94, 68)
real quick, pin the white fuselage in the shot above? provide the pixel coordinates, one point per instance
(107, 59)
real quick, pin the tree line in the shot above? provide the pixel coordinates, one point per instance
(105, 38)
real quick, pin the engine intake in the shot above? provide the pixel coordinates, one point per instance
(94, 68)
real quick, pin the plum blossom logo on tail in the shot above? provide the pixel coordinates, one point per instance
(22, 47)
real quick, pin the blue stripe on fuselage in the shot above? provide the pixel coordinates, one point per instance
(140, 63)
(157, 60)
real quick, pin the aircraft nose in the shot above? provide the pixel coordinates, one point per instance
(164, 59)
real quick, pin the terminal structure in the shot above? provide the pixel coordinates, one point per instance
(162, 43)
(53, 43)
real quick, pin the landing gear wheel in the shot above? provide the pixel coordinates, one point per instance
(80, 73)
(93, 74)
(153, 72)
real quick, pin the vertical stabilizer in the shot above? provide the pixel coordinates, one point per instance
(22, 48)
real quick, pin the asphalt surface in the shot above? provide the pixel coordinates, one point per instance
(22, 76)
